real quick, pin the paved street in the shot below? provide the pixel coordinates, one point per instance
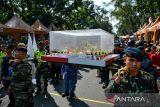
(89, 94)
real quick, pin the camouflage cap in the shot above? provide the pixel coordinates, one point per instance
(41, 43)
(134, 52)
(21, 45)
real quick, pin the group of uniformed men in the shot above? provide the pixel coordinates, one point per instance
(16, 74)
(17, 78)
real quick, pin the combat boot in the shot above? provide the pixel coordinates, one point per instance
(38, 91)
(65, 94)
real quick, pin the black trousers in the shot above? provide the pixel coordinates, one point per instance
(55, 72)
(104, 76)
(6, 84)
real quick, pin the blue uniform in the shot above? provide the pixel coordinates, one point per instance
(70, 77)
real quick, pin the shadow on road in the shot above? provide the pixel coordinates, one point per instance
(59, 87)
(84, 69)
(79, 76)
(77, 103)
(44, 101)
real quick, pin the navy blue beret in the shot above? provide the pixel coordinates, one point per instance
(134, 52)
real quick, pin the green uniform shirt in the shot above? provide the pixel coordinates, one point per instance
(39, 54)
(2, 54)
(21, 78)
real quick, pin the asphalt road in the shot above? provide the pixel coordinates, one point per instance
(89, 93)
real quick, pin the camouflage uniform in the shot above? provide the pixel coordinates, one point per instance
(131, 83)
(142, 82)
(21, 85)
(70, 78)
(135, 86)
(42, 70)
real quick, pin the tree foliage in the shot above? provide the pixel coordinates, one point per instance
(132, 14)
(65, 14)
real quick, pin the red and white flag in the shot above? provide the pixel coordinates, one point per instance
(111, 99)
(150, 19)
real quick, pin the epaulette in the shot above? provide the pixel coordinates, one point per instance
(146, 74)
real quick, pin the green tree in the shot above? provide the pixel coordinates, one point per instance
(132, 14)
(65, 14)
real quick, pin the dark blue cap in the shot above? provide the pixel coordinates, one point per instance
(134, 52)
(140, 48)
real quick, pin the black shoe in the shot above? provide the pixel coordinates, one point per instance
(10, 105)
(104, 86)
(100, 82)
(71, 95)
(38, 91)
(45, 92)
(65, 94)
(51, 82)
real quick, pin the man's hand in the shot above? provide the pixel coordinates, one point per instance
(16, 61)
(118, 79)
(158, 68)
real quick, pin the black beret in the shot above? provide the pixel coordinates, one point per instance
(22, 49)
(134, 52)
